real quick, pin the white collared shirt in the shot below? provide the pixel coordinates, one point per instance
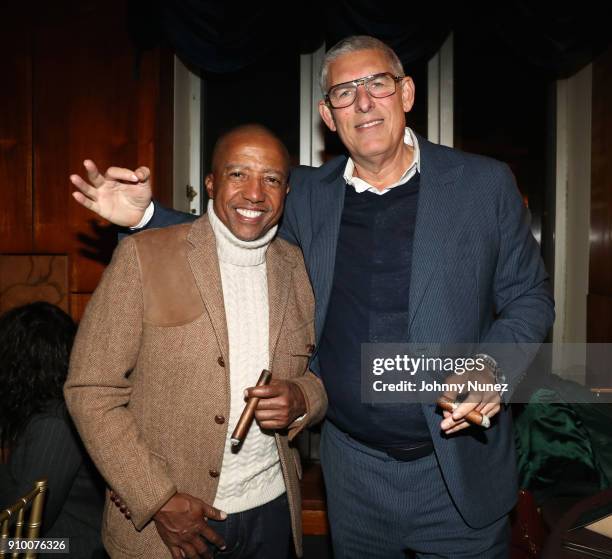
(360, 185)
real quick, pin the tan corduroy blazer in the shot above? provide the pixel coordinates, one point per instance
(149, 377)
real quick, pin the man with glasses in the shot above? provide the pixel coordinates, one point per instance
(404, 241)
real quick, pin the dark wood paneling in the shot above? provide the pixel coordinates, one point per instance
(78, 302)
(33, 277)
(600, 265)
(599, 312)
(599, 331)
(92, 99)
(15, 132)
(599, 301)
(87, 103)
(164, 175)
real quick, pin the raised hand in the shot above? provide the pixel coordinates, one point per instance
(120, 195)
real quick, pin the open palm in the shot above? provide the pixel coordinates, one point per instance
(120, 195)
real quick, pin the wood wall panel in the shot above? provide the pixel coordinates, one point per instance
(599, 331)
(15, 132)
(78, 303)
(25, 278)
(91, 100)
(599, 300)
(600, 265)
(74, 87)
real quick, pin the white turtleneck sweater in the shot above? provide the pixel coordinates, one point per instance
(252, 476)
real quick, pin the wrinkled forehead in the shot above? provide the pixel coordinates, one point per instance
(359, 64)
(256, 150)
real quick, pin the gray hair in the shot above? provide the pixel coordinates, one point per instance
(354, 44)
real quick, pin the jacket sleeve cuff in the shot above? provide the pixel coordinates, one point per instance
(316, 403)
(142, 518)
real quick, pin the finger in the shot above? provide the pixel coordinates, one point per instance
(272, 404)
(143, 173)
(121, 174)
(448, 422)
(189, 550)
(86, 202)
(176, 552)
(264, 392)
(213, 513)
(487, 398)
(463, 409)
(491, 409)
(84, 187)
(199, 545)
(213, 537)
(274, 425)
(459, 427)
(271, 413)
(92, 172)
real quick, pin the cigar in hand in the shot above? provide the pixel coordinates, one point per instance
(474, 417)
(248, 413)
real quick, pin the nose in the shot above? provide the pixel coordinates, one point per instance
(363, 100)
(253, 190)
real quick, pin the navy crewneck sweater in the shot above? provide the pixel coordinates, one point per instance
(369, 303)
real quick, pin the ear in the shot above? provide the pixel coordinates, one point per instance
(209, 182)
(407, 87)
(327, 116)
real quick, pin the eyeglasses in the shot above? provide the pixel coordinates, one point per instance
(377, 85)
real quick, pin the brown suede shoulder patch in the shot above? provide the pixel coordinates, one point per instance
(170, 294)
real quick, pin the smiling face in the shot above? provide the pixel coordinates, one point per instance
(248, 184)
(370, 128)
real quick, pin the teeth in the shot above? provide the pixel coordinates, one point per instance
(369, 124)
(249, 213)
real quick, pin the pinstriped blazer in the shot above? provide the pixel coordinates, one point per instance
(477, 277)
(50, 447)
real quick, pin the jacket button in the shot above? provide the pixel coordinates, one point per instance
(213, 473)
(310, 348)
(221, 361)
(219, 419)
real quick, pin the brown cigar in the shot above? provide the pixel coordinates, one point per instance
(248, 413)
(474, 417)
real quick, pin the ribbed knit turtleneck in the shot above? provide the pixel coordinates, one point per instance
(232, 250)
(252, 476)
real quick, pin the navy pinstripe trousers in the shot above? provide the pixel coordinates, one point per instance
(380, 508)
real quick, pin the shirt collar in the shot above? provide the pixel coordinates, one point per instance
(360, 185)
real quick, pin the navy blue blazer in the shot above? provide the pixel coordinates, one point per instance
(477, 277)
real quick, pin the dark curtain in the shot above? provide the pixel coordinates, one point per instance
(224, 37)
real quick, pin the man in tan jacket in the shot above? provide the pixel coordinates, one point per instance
(182, 323)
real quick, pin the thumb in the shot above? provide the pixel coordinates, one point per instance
(213, 513)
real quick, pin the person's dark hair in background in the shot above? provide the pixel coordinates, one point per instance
(36, 432)
(35, 342)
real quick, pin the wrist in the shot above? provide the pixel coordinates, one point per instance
(166, 507)
(299, 401)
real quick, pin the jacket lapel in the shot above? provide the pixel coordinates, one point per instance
(204, 263)
(328, 202)
(438, 198)
(279, 287)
